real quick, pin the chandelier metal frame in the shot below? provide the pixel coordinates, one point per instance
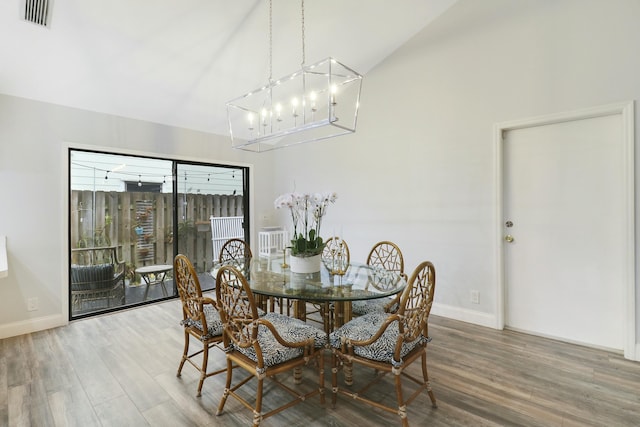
(317, 102)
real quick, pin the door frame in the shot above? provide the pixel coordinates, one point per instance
(626, 111)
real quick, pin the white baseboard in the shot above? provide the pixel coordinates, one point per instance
(32, 325)
(464, 315)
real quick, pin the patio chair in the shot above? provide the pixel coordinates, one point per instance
(97, 278)
(385, 255)
(264, 346)
(200, 318)
(389, 343)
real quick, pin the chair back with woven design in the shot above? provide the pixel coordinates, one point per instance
(237, 308)
(387, 255)
(416, 302)
(389, 343)
(234, 249)
(188, 285)
(332, 247)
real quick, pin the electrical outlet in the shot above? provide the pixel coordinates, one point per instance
(475, 297)
(32, 304)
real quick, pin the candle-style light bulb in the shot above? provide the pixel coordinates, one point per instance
(334, 91)
(250, 118)
(294, 106)
(312, 98)
(279, 112)
(263, 113)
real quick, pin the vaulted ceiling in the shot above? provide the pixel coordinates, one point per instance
(178, 62)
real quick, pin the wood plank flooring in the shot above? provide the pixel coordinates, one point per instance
(119, 370)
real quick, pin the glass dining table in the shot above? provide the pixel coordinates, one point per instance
(270, 278)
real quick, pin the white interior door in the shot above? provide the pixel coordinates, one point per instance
(563, 192)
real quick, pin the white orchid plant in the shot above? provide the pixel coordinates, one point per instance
(306, 211)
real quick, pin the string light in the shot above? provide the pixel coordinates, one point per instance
(221, 176)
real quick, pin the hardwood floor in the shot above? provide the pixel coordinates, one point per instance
(119, 370)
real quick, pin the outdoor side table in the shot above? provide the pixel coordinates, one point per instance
(159, 273)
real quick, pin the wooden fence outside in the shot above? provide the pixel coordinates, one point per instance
(141, 224)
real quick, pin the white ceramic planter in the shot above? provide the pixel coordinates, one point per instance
(307, 264)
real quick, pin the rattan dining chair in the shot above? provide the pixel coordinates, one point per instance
(333, 248)
(234, 249)
(238, 253)
(200, 318)
(389, 343)
(264, 346)
(387, 255)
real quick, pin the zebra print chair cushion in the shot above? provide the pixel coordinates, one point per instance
(371, 305)
(214, 323)
(365, 327)
(290, 329)
(366, 306)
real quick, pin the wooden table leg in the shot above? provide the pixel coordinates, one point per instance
(262, 301)
(326, 312)
(299, 312)
(300, 309)
(342, 313)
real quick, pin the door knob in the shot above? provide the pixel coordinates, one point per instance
(508, 238)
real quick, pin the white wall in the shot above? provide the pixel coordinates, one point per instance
(33, 208)
(420, 168)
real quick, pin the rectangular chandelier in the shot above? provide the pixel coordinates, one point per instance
(317, 102)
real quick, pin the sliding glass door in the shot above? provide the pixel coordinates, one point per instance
(211, 207)
(129, 216)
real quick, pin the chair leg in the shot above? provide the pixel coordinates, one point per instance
(425, 376)
(321, 375)
(184, 353)
(347, 368)
(227, 387)
(203, 370)
(402, 408)
(257, 414)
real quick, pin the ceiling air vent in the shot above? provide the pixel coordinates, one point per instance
(37, 11)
